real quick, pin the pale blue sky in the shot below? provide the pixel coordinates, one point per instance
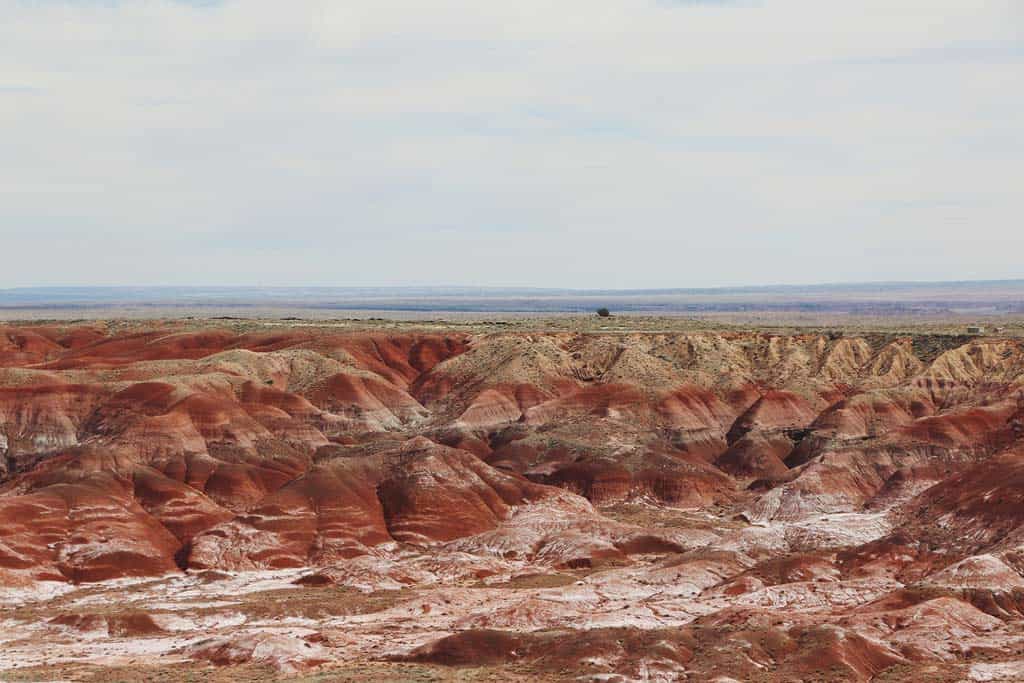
(632, 143)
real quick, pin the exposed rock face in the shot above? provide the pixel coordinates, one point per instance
(758, 456)
(435, 493)
(330, 513)
(115, 625)
(87, 529)
(286, 654)
(649, 506)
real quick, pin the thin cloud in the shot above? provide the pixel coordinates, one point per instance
(712, 3)
(622, 144)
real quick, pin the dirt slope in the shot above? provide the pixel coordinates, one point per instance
(650, 506)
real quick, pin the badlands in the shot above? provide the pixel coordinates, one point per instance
(218, 501)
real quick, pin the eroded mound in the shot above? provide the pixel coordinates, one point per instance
(701, 506)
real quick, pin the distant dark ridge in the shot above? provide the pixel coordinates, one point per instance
(856, 308)
(997, 297)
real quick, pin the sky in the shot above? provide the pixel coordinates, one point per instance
(608, 144)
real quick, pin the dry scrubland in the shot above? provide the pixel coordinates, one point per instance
(515, 499)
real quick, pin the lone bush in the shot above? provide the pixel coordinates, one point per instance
(603, 312)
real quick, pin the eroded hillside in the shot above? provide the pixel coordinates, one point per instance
(549, 506)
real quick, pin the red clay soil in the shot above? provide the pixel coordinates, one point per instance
(648, 506)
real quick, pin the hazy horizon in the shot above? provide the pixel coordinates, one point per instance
(944, 300)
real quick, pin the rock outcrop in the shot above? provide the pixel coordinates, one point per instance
(633, 506)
